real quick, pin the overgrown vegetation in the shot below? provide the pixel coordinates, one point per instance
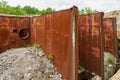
(26, 10)
(81, 69)
(51, 57)
(87, 11)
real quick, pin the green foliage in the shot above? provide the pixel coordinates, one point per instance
(47, 11)
(81, 68)
(36, 45)
(28, 10)
(18, 10)
(110, 60)
(51, 57)
(27, 45)
(87, 11)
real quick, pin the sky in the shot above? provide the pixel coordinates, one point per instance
(99, 5)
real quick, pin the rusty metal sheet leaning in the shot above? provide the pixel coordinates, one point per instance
(54, 32)
(96, 44)
(110, 35)
(91, 43)
(84, 35)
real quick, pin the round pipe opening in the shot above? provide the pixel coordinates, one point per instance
(24, 33)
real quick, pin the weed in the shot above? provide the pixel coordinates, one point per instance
(36, 45)
(81, 68)
(51, 57)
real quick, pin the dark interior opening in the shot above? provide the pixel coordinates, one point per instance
(14, 30)
(118, 42)
(24, 33)
(84, 79)
(85, 76)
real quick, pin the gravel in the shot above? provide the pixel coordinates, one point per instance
(30, 63)
(27, 64)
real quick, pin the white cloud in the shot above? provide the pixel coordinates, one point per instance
(100, 5)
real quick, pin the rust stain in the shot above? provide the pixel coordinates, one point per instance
(54, 33)
(91, 43)
(72, 39)
(110, 35)
(10, 28)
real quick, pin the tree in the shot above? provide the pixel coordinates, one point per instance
(3, 4)
(26, 10)
(87, 11)
(30, 10)
(47, 11)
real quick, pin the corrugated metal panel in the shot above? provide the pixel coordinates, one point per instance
(13, 31)
(54, 32)
(91, 43)
(110, 35)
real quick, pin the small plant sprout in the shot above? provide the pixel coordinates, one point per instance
(27, 45)
(36, 45)
(81, 69)
(51, 57)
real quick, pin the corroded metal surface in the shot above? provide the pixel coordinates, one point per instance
(63, 35)
(110, 35)
(4, 34)
(54, 32)
(10, 28)
(91, 43)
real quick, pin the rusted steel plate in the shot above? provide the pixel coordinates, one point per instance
(54, 32)
(4, 38)
(4, 33)
(38, 31)
(4, 21)
(91, 43)
(13, 32)
(84, 39)
(20, 32)
(110, 35)
(96, 44)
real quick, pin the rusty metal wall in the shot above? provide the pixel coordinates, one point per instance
(4, 34)
(13, 32)
(54, 32)
(110, 35)
(91, 43)
(63, 35)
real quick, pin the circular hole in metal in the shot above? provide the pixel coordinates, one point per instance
(24, 33)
